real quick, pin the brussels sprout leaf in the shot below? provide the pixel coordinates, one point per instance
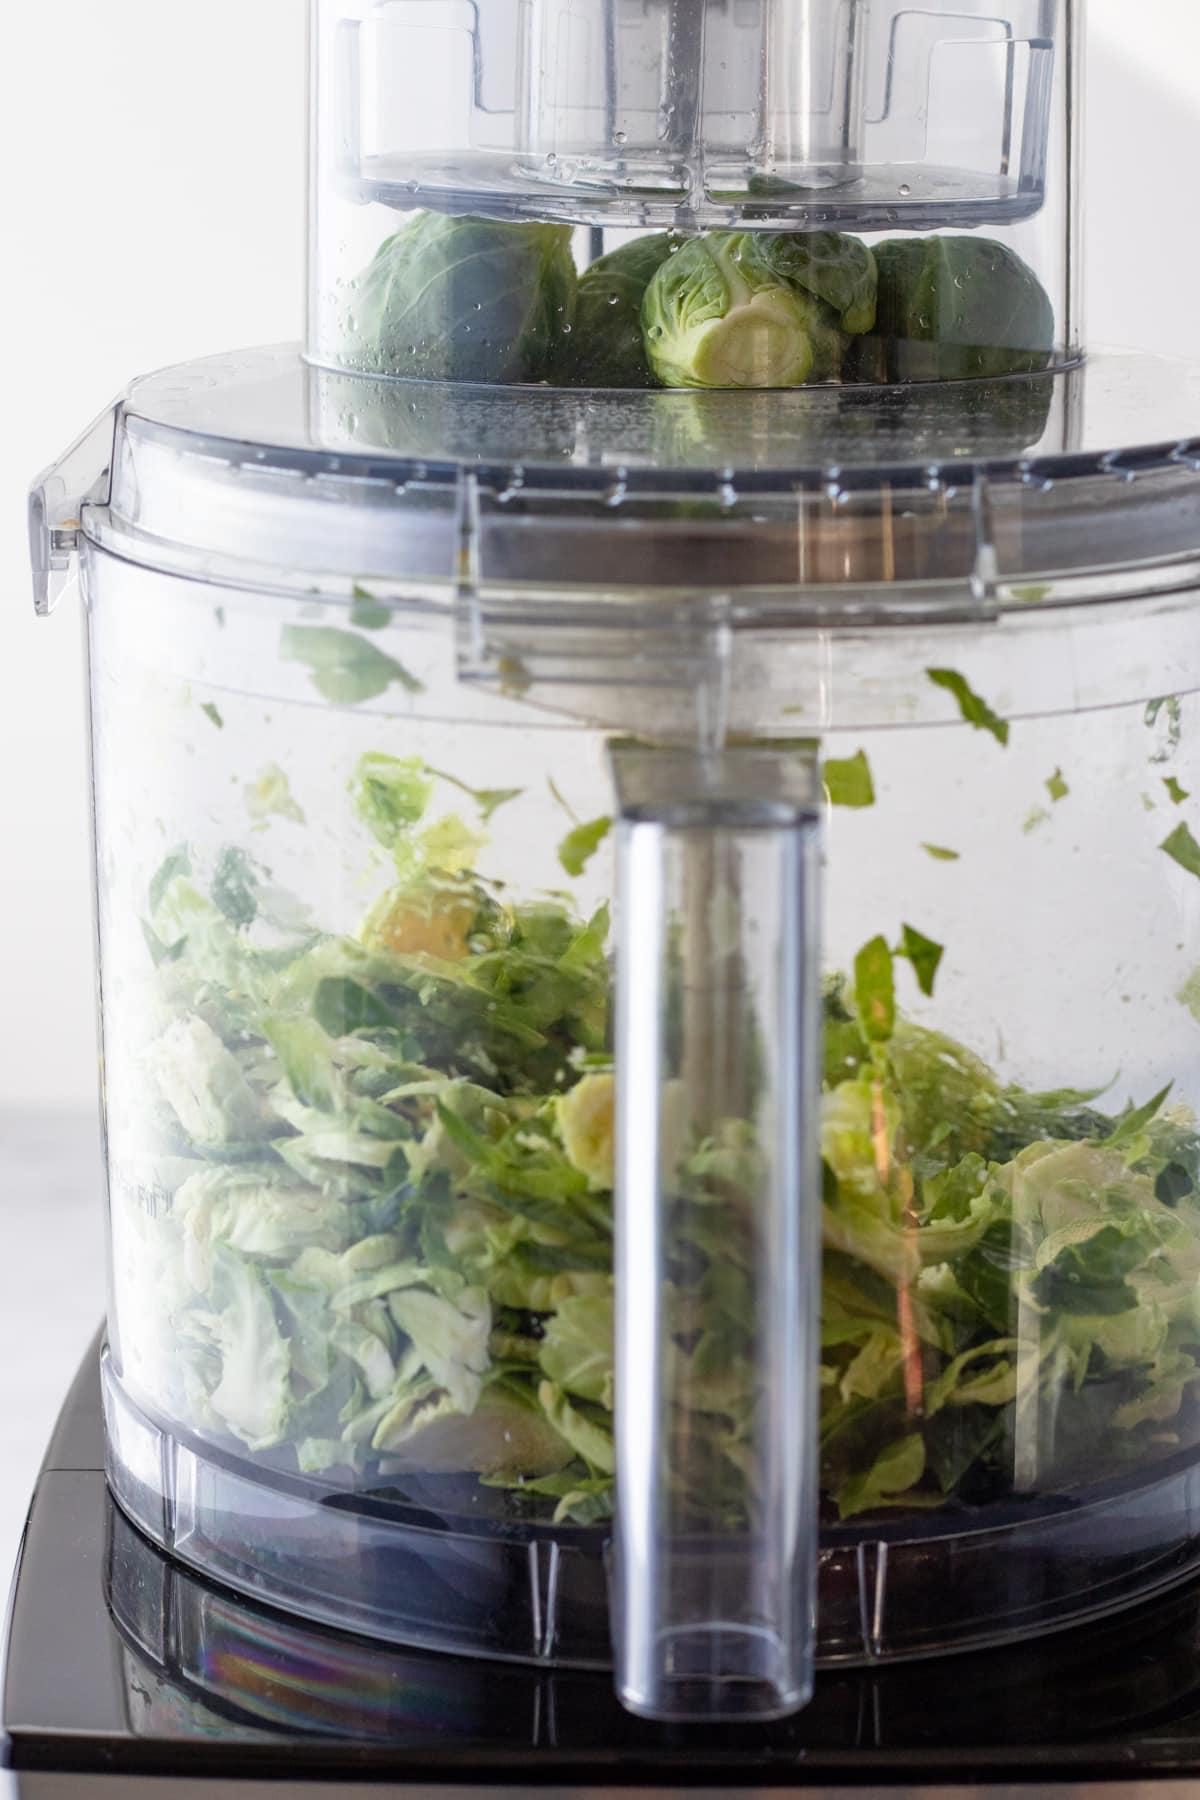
(1182, 848)
(579, 846)
(875, 990)
(345, 668)
(940, 853)
(848, 780)
(974, 710)
(924, 955)
(368, 613)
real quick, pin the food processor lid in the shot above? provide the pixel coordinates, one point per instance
(836, 503)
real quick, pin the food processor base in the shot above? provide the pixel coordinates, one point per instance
(421, 1569)
(122, 1662)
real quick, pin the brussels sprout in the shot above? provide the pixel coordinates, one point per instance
(465, 300)
(719, 314)
(609, 350)
(833, 268)
(956, 308)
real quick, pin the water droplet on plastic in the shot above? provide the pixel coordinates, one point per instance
(479, 306)
(905, 189)
(618, 137)
(414, 187)
(551, 159)
(923, 321)
(614, 299)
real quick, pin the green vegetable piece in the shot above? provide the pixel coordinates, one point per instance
(959, 308)
(924, 955)
(974, 710)
(390, 794)
(367, 613)
(235, 887)
(895, 1471)
(271, 795)
(1056, 787)
(1131, 1124)
(579, 846)
(345, 668)
(488, 800)
(1178, 794)
(251, 1395)
(839, 271)
(848, 780)
(1174, 712)
(719, 314)
(587, 1435)
(577, 1349)
(940, 853)
(608, 347)
(1088, 1278)
(875, 990)
(177, 863)
(1182, 848)
(212, 713)
(463, 299)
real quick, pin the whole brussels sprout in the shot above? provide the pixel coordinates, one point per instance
(836, 269)
(450, 299)
(608, 349)
(957, 308)
(719, 313)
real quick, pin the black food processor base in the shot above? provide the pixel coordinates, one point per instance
(128, 1675)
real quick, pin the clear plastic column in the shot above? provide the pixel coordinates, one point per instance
(718, 993)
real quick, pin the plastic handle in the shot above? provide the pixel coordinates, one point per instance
(81, 477)
(717, 1235)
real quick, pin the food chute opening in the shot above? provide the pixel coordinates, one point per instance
(694, 193)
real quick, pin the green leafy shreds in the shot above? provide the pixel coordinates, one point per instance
(1174, 719)
(235, 887)
(1182, 848)
(939, 853)
(344, 667)
(367, 613)
(875, 990)
(213, 714)
(1056, 786)
(488, 800)
(848, 780)
(390, 794)
(1178, 794)
(580, 845)
(924, 955)
(974, 710)
(385, 1243)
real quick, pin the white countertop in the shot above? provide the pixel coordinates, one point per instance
(51, 1288)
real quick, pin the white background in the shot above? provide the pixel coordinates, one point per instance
(152, 188)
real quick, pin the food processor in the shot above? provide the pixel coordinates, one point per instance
(647, 827)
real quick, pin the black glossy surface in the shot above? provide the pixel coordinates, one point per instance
(119, 1660)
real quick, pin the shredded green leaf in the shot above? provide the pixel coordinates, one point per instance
(579, 846)
(1182, 848)
(848, 780)
(345, 668)
(974, 710)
